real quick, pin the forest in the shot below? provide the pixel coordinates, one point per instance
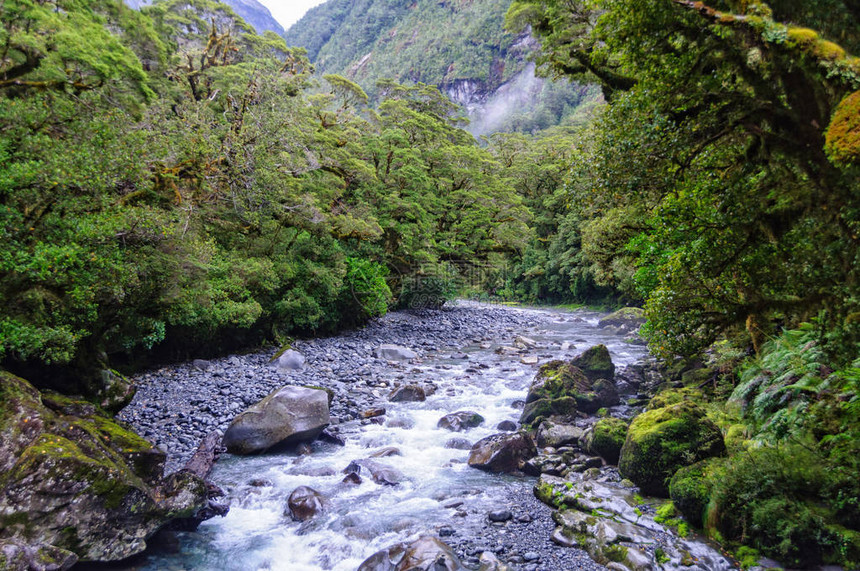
(175, 185)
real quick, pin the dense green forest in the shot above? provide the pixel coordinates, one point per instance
(173, 184)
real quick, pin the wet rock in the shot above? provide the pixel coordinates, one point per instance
(352, 478)
(305, 503)
(524, 342)
(502, 452)
(379, 472)
(400, 422)
(86, 473)
(427, 553)
(391, 352)
(489, 562)
(289, 415)
(458, 444)
(291, 360)
(500, 515)
(387, 451)
(407, 393)
(529, 360)
(606, 438)
(507, 426)
(596, 363)
(661, 441)
(556, 434)
(373, 412)
(460, 421)
(17, 555)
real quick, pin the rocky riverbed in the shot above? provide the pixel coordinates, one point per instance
(468, 357)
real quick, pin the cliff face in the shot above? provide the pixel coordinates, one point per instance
(458, 45)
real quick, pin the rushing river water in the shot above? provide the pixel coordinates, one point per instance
(361, 519)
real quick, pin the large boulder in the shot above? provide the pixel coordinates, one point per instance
(561, 388)
(606, 438)
(661, 441)
(291, 360)
(74, 481)
(289, 415)
(460, 421)
(502, 452)
(596, 363)
(391, 352)
(555, 434)
(427, 553)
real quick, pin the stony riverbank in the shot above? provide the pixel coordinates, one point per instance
(176, 406)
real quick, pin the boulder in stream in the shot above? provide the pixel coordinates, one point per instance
(289, 415)
(380, 473)
(596, 363)
(504, 452)
(555, 434)
(460, 421)
(407, 393)
(391, 352)
(661, 441)
(606, 438)
(427, 553)
(77, 485)
(625, 320)
(305, 503)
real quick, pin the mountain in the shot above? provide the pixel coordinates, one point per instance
(251, 11)
(459, 45)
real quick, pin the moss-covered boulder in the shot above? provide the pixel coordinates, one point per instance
(502, 453)
(690, 490)
(625, 320)
(562, 388)
(606, 438)
(82, 482)
(595, 363)
(661, 441)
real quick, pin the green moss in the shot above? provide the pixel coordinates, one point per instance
(690, 490)
(661, 441)
(669, 397)
(828, 50)
(606, 439)
(596, 363)
(617, 553)
(842, 142)
(801, 36)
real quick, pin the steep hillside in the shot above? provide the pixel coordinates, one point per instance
(250, 10)
(459, 45)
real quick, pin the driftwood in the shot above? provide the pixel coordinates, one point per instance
(204, 458)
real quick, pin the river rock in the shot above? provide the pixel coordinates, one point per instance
(458, 444)
(554, 434)
(460, 421)
(81, 484)
(489, 562)
(291, 360)
(380, 473)
(561, 388)
(661, 441)
(305, 503)
(625, 320)
(16, 555)
(596, 363)
(407, 393)
(502, 452)
(606, 438)
(289, 415)
(507, 426)
(391, 352)
(427, 553)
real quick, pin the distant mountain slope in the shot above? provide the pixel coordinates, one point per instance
(251, 11)
(459, 45)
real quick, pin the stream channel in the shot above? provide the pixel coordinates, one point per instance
(475, 370)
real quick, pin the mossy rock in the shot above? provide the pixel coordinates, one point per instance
(85, 484)
(606, 438)
(596, 363)
(536, 411)
(668, 397)
(661, 441)
(624, 317)
(690, 490)
(557, 379)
